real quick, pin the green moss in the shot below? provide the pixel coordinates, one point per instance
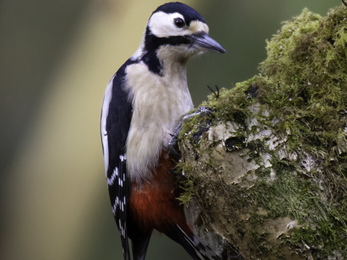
(185, 182)
(187, 186)
(301, 94)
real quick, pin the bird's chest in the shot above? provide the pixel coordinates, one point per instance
(158, 104)
(158, 100)
(159, 107)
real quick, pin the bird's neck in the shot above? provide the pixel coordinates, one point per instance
(172, 60)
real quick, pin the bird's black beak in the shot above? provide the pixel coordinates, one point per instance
(206, 42)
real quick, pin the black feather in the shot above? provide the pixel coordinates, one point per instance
(153, 43)
(117, 128)
(188, 13)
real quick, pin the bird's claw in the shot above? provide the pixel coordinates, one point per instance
(173, 144)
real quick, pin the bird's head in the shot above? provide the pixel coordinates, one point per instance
(176, 31)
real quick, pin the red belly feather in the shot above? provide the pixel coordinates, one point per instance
(154, 204)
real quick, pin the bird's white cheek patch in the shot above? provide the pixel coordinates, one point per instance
(161, 25)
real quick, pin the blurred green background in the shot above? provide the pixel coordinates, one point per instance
(56, 58)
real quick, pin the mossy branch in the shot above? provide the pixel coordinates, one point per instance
(268, 173)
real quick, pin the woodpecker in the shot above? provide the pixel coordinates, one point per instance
(144, 101)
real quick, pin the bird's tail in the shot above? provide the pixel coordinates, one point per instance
(196, 249)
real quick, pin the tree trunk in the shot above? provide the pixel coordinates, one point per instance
(266, 174)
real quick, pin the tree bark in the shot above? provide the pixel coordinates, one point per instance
(266, 174)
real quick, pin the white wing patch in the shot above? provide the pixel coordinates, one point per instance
(104, 114)
(110, 181)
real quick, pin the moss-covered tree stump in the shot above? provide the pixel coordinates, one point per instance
(267, 173)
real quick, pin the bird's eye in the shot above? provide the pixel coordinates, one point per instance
(179, 22)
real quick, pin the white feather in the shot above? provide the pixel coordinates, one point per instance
(162, 25)
(158, 102)
(104, 114)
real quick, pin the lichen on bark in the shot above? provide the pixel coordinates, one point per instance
(268, 172)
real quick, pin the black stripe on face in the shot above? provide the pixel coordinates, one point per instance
(153, 43)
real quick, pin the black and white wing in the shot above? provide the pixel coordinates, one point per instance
(115, 123)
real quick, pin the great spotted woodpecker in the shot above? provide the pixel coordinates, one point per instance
(143, 103)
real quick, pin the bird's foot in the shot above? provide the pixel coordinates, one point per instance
(173, 143)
